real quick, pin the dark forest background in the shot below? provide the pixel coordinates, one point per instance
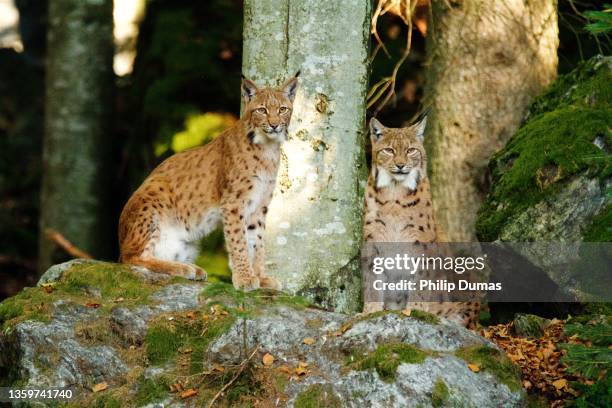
(182, 91)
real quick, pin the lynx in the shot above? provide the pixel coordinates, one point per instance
(398, 208)
(228, 181)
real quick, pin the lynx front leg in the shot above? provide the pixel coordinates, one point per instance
(255, 232)
(234, 229)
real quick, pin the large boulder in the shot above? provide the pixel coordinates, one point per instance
(122, 336)
(552, 181)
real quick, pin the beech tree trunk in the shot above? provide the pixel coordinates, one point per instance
(487, 60)
(315, 219)
(77, 143)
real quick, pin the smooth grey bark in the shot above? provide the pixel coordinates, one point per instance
(77, 144)
(315, 219)
(487, 60)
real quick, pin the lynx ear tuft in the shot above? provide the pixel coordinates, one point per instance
(376, 129)
(248, 89)
(289, 88)
(419, 128)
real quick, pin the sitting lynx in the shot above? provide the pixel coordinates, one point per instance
(230, 180)
(398, 208)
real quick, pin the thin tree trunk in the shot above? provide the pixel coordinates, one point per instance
(314, 222)
(77, 143)
(488, 59)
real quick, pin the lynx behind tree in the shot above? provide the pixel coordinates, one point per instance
(229, 180)
(398, 209)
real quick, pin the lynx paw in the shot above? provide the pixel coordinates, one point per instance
(246, 282)
(194, 272)
(268, 282)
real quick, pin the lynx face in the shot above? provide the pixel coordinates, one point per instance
(398, 155)
(268, 111)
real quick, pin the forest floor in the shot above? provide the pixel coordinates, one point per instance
(565, 363)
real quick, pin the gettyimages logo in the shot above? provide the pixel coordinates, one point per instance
(412, 264)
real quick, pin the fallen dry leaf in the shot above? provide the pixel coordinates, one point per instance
(99, 387)
(407, 312)
(309, 341)
(92, 305)
(560, 383)
(301, 369)
(474, 367)
(189, 393)
(284, 369)
(177, 387)
(218, 367)
(190, 315)
(268, 359)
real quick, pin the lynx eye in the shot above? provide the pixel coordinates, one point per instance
(261, 110)
(411, 150)
(283, 109)
(388, 150)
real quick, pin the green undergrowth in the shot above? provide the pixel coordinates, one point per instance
(169, 336)
(387, 357)
(151, 390)
(555, 144)
(439, 393)
(591, 356)
(100, 285)
(493, 361)
(318, 396)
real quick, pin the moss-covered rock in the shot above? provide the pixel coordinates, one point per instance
(528, 325)
(492, 360)
(387, 357)
(159, 340)
(561, 153)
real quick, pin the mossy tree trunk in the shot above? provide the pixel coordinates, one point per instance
(314, 222)
(77, 143)
(487, 61)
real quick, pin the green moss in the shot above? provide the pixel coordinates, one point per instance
(29, 304)
(166, 338)
(439, 393)
(600, 229)
(492, 361)
(387, 357)
(318, 396)
(555, 144)
(112, 280)
(424, 316)
(100, 283)
(150, 390)
(231, 298)
(162, 343)
(588, 84)
(106, 401)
